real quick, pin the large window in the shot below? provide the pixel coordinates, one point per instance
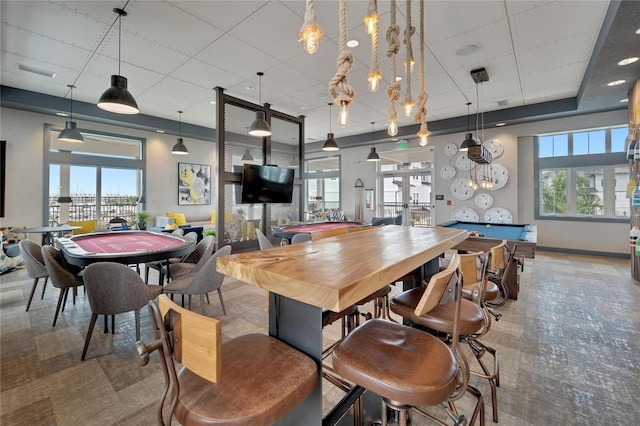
(583, 174)
(322, 187)
(102, 177)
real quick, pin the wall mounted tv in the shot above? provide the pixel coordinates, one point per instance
(266, 184)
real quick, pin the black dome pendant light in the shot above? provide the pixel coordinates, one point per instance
(330, 144)
(117, 98)
(260, 127)
(180, 148)
(373, 155)
(70, 133)
(468, 139)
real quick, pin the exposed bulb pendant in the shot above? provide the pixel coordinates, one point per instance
(371, 27)
(247, 155)
(70, 133)
(392, 128)
(343, 115)
(310, 33)
(371, 18)
(407, 106)
(117, 98)
(260, 127)
(373, 155)
(180, 148)
(330, 144)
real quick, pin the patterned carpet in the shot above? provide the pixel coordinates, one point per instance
(569, 351)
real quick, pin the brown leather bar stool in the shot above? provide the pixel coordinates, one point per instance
(403, 365)
(250, 380)
(474, 320)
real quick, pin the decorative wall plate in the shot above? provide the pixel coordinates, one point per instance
(495, 146)
(461, 189)
(450, 149)
(463, 162)
(465, 214)
(483, 201)
(500, 175)
(498, 215)
(447, 172)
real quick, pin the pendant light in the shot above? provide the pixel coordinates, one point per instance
(117, 98)
(373, 155)
(247, 155)
(330, 144)
(179, 148)
(260, 127)
(70, 133)
(468, 139)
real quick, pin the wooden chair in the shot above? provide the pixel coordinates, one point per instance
(114, 288)
(250, 380)
(36, 269)
(406, 366)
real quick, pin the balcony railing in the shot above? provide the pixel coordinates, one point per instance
(420, 213)
(84, 207)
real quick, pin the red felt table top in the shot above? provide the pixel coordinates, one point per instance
(126, 243)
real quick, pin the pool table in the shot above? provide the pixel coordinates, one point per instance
(526, 236)
(288, 231)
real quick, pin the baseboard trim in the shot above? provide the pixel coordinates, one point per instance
(585, 252)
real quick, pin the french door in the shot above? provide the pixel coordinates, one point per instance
(407, 193)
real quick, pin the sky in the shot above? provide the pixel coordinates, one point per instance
(83, 181)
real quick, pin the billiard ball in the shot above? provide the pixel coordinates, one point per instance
(488, 225)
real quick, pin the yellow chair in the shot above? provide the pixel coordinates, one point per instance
(86, 226)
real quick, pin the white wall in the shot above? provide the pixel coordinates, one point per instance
(24, 132)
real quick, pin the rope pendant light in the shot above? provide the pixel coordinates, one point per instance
(408, 104)
(393, 91)
(179, 148)
(117, 98)
(339, 88)
(373, 155)
(310, 33)
(371, 27)
(330, 144)
(70, 133)
(421, 113)
(260, 127)
(247, 155)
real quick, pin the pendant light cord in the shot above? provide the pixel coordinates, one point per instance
(393, 40)
(408, 32)
(330, 104)
(421, 113)
(119, 39)
(180, 124)
(339, 87)
(71, 86)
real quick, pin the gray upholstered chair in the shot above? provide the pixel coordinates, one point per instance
(192, 235)
(178, 231)
(201, 282)
(63, 276)
(114, 288)
(195, 260)
(263, 240)
(300, 238)
(36, 269)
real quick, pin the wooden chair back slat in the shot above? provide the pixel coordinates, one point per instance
(436, 287)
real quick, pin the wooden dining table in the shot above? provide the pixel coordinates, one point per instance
(333, 273)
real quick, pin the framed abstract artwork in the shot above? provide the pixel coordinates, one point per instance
(194, 184)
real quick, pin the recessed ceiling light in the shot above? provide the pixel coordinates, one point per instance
(300, 107)
(212, 102)
(62, 114)
(616, 83)
(160, 131)
(628, 61)
(466, 50)
(398, 78)
(638, 31)
(500, 124)
(251, 88)
(353, 43)
(624, 100)
(35, 70)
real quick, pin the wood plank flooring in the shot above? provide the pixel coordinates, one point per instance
(569, 351)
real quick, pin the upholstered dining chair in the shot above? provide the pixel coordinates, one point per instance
(178, 231)
(188, 262)
(406, 366)
(263, 241)
(114, 288)
(63, 276)
(201, 282)
(193, 235)
(300, 238)
(253, 379)
(36, 269)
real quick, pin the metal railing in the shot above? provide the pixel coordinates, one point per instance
(420, 213)
(84, 207)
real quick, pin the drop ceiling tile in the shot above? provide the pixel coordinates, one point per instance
(184, 90)
(222, 14)
(203, 74)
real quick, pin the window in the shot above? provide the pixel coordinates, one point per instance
(583, 174)
(104, 176)
(322, 187)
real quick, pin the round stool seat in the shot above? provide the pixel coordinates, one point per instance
(491, 291)
(441, 317)
(399, 363)
(262, 379)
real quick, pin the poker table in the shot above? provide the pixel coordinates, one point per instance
(288, 231)
(486, 235)
(128, 247)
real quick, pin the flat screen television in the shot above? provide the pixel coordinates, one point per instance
(266, 184)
